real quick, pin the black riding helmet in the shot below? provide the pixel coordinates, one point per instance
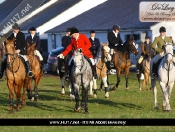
(162, 29)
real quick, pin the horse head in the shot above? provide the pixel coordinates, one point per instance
(10, 50)
(168, 50)
(132, 46)
(78, 61)
(30, 48)
(105, 52)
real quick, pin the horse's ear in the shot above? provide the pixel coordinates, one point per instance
(102, 44)
(28, 44)
(34, 44)
(107, 43)
(80, 50)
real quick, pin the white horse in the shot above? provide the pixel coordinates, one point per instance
(166, 77)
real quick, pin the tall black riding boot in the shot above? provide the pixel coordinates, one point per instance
(42, 66)
(153, 71)
(3, 66)
(94, 71)
(63, 66)
(138, 68)
(68, 73)
(29, 69)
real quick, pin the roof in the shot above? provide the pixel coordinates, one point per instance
(48, 13)
(107, 14)
(7, 7)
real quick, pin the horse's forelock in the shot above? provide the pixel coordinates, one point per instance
(106, 48)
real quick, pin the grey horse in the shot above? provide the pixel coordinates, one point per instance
(81, 75)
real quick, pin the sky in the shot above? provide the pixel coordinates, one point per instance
(1, 1)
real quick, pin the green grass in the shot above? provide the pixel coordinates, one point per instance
(121, 104)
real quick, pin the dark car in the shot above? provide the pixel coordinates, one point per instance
(52, 61)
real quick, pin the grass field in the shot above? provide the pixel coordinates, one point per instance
(121, 104)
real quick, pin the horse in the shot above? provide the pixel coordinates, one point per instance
(81, 75)
(36, 70)
(62, 74)
(16, 75)
(121, 60)
(101, 69)
(145, 70)
(165, 76)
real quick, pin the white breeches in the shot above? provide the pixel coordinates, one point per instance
(36, 52)
(92, 61)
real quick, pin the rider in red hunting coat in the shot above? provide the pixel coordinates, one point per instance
(78, 41)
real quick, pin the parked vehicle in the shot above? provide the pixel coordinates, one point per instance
(52, 61)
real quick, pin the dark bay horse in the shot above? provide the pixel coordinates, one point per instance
(121, 60)
(36, 70)
(16, 75)
(81, 76)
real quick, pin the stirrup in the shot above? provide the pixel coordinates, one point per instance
(152, 76)
(137, 71)
(111, 64)
(67, 78)
(63, 69)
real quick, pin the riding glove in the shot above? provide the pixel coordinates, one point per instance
(61, 56)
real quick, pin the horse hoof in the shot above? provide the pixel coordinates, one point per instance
(62, 94)
(95, 96)
(127, 88)
(91, 95)
(32, 99)
(113, 89)
(86, 112)
(168, 111)
(140, 89)
(72, 97)
(11, 112)
(77, 110)
(29, 97)
(156, 108)
(101, 90)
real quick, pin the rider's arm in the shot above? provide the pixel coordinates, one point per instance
(155, 47)
(111, 40)
(67, 50)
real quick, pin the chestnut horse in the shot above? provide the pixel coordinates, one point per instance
(16, 75)
(36, 70)
(122, 61)
(101, 69)
(145, 70)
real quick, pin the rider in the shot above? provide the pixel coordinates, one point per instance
(66, 40)
(158, 47)
(114, 39)
(146, 51)
(33, 38)
(20, 46)
(95, 42)
(79, 40)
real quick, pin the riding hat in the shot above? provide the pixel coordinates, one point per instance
(74, 30)
(147, 37)
(162, 29)
(92, 31)
(15, 26)
(116, 27)
(32, 29)
(69, 29)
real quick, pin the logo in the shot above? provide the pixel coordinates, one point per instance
(157, 11)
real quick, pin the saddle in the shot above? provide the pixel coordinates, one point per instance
(23, 61)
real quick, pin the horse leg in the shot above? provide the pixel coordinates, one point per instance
(146, 77)
(109, 87)
(26, 82)
(138, 78)
(169, 95)
(91, 85)
(62, 86)
(101, 86)
(76, 91)
(106, 87)
(86, 100)
(10, 87)
(95, 87)
(118, 80)
(19, 94)
(29, 88)
(153, 85)
(126, 78)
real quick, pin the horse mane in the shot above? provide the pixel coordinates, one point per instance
(124, 47)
